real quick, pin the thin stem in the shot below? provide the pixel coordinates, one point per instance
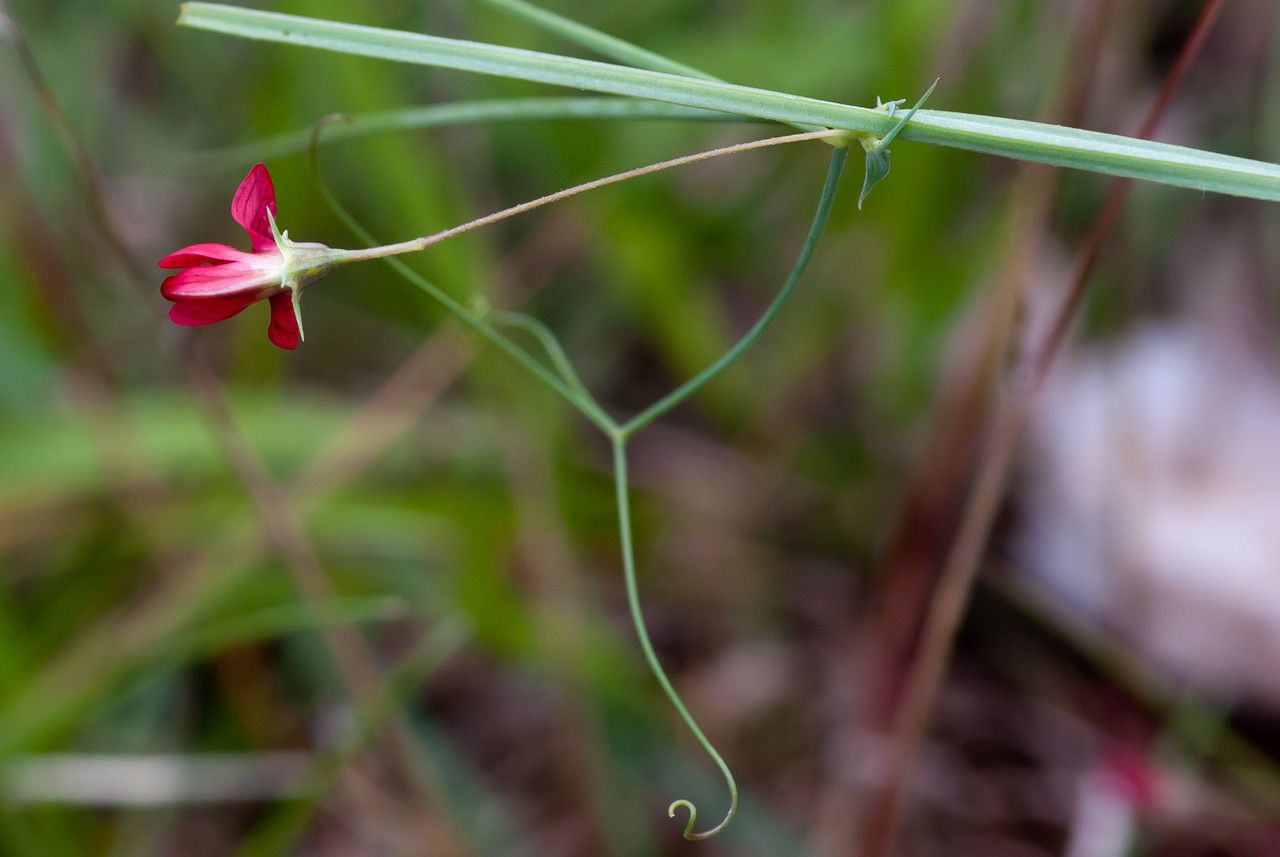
(94, 191)
(576, 396)
(482, 111)
(637, 618)
(549, 343)
(572, 389)
(684, 391)
(586, 406)
(592, 39)
(416, 244)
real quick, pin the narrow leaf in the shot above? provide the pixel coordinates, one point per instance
(877, 169)
(592, 39)
(448, 115)
(878, 154)
(1031, 141)
(902, 123)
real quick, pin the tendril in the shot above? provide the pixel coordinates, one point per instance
(633, 601)
(693, 818)
(568, 385)
(624, 509)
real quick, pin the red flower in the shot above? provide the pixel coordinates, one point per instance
(219, 281)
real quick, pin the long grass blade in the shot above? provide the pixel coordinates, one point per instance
(451, 115)
(1030, 141)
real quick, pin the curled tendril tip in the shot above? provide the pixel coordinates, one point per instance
(693, 816)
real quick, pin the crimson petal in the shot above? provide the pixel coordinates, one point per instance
(254, 198)
(217, 281)
(198, 313)
(202, 254)
(284, 323)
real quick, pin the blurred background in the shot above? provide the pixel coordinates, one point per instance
(366, 598)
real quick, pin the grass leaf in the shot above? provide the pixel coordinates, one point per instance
(1030, 141)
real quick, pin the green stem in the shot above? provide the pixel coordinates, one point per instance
(585, 405)
(637, 618)
(487, 110)
(568, 386)
(594, 40)
(549, 343)
(666, 403)
(574, 394)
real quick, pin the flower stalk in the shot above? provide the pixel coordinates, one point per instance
(217, 281)
(416, 244)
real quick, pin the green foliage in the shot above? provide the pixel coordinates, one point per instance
(141, 600)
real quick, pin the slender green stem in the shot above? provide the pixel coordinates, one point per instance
(549, 343)
(684, 391)
(586, 406)
(637, 618)
(594, 40)
(575, 395)
(453, 114)
(571, 388)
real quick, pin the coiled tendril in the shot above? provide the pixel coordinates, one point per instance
(633, 601)
(569, 386)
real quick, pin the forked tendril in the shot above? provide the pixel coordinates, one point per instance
(570, 387)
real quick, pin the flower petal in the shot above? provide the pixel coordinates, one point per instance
(197, 313)
(218, 281)
(284, 323)
(202, 254)
(249, 206)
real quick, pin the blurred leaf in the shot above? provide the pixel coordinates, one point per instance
(443, 115)
(279, 620)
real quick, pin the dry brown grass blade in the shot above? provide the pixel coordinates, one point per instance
(356, 662)
(951, 597)
(918, 537)
(93, 186)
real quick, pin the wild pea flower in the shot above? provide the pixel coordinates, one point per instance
(219, 281)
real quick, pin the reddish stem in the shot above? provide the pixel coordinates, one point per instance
(951, 597)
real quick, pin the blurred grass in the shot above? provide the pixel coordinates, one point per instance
(759, 506)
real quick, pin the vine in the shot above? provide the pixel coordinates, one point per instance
(564, 380)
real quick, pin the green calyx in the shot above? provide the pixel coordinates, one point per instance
(302, 264)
